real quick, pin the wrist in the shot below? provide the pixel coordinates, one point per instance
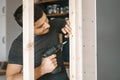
(38, 72)
(41, 71)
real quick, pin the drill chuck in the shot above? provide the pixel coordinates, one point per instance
(54, 49)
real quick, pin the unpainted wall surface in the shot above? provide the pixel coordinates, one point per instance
(108, 39)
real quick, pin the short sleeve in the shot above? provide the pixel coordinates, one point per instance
(16, 52)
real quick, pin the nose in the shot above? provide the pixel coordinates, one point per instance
(47, 25)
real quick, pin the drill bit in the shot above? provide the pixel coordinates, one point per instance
(64, 42)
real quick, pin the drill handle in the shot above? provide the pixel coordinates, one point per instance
(49, 52)
(52, 50)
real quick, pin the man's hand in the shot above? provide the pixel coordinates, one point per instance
(67, 29)
(48, 64)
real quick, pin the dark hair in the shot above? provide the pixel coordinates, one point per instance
(38, 12)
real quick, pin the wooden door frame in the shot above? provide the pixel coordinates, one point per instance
(83, 53)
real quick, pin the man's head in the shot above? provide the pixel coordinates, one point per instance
(41, 25)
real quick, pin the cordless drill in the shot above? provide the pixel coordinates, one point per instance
(53, 50)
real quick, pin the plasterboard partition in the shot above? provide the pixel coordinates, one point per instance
(89, 40)
(28, 40)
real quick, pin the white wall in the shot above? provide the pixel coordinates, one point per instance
(13, 28)
(2, 77)
(9, 28)
(2, 30)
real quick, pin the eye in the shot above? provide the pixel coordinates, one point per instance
(41, 26)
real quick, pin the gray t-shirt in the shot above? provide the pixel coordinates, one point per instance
(42, 43)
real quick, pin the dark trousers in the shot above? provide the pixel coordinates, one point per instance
(58, 76)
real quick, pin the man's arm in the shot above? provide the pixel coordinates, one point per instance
(14, 71)
(48, 65)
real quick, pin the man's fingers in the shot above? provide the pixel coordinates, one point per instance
(67, 31)
(67, 21)
(69, 28)
(52, 56)
(54, 61)
(63, 30)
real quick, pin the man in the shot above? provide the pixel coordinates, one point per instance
(46, 35)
